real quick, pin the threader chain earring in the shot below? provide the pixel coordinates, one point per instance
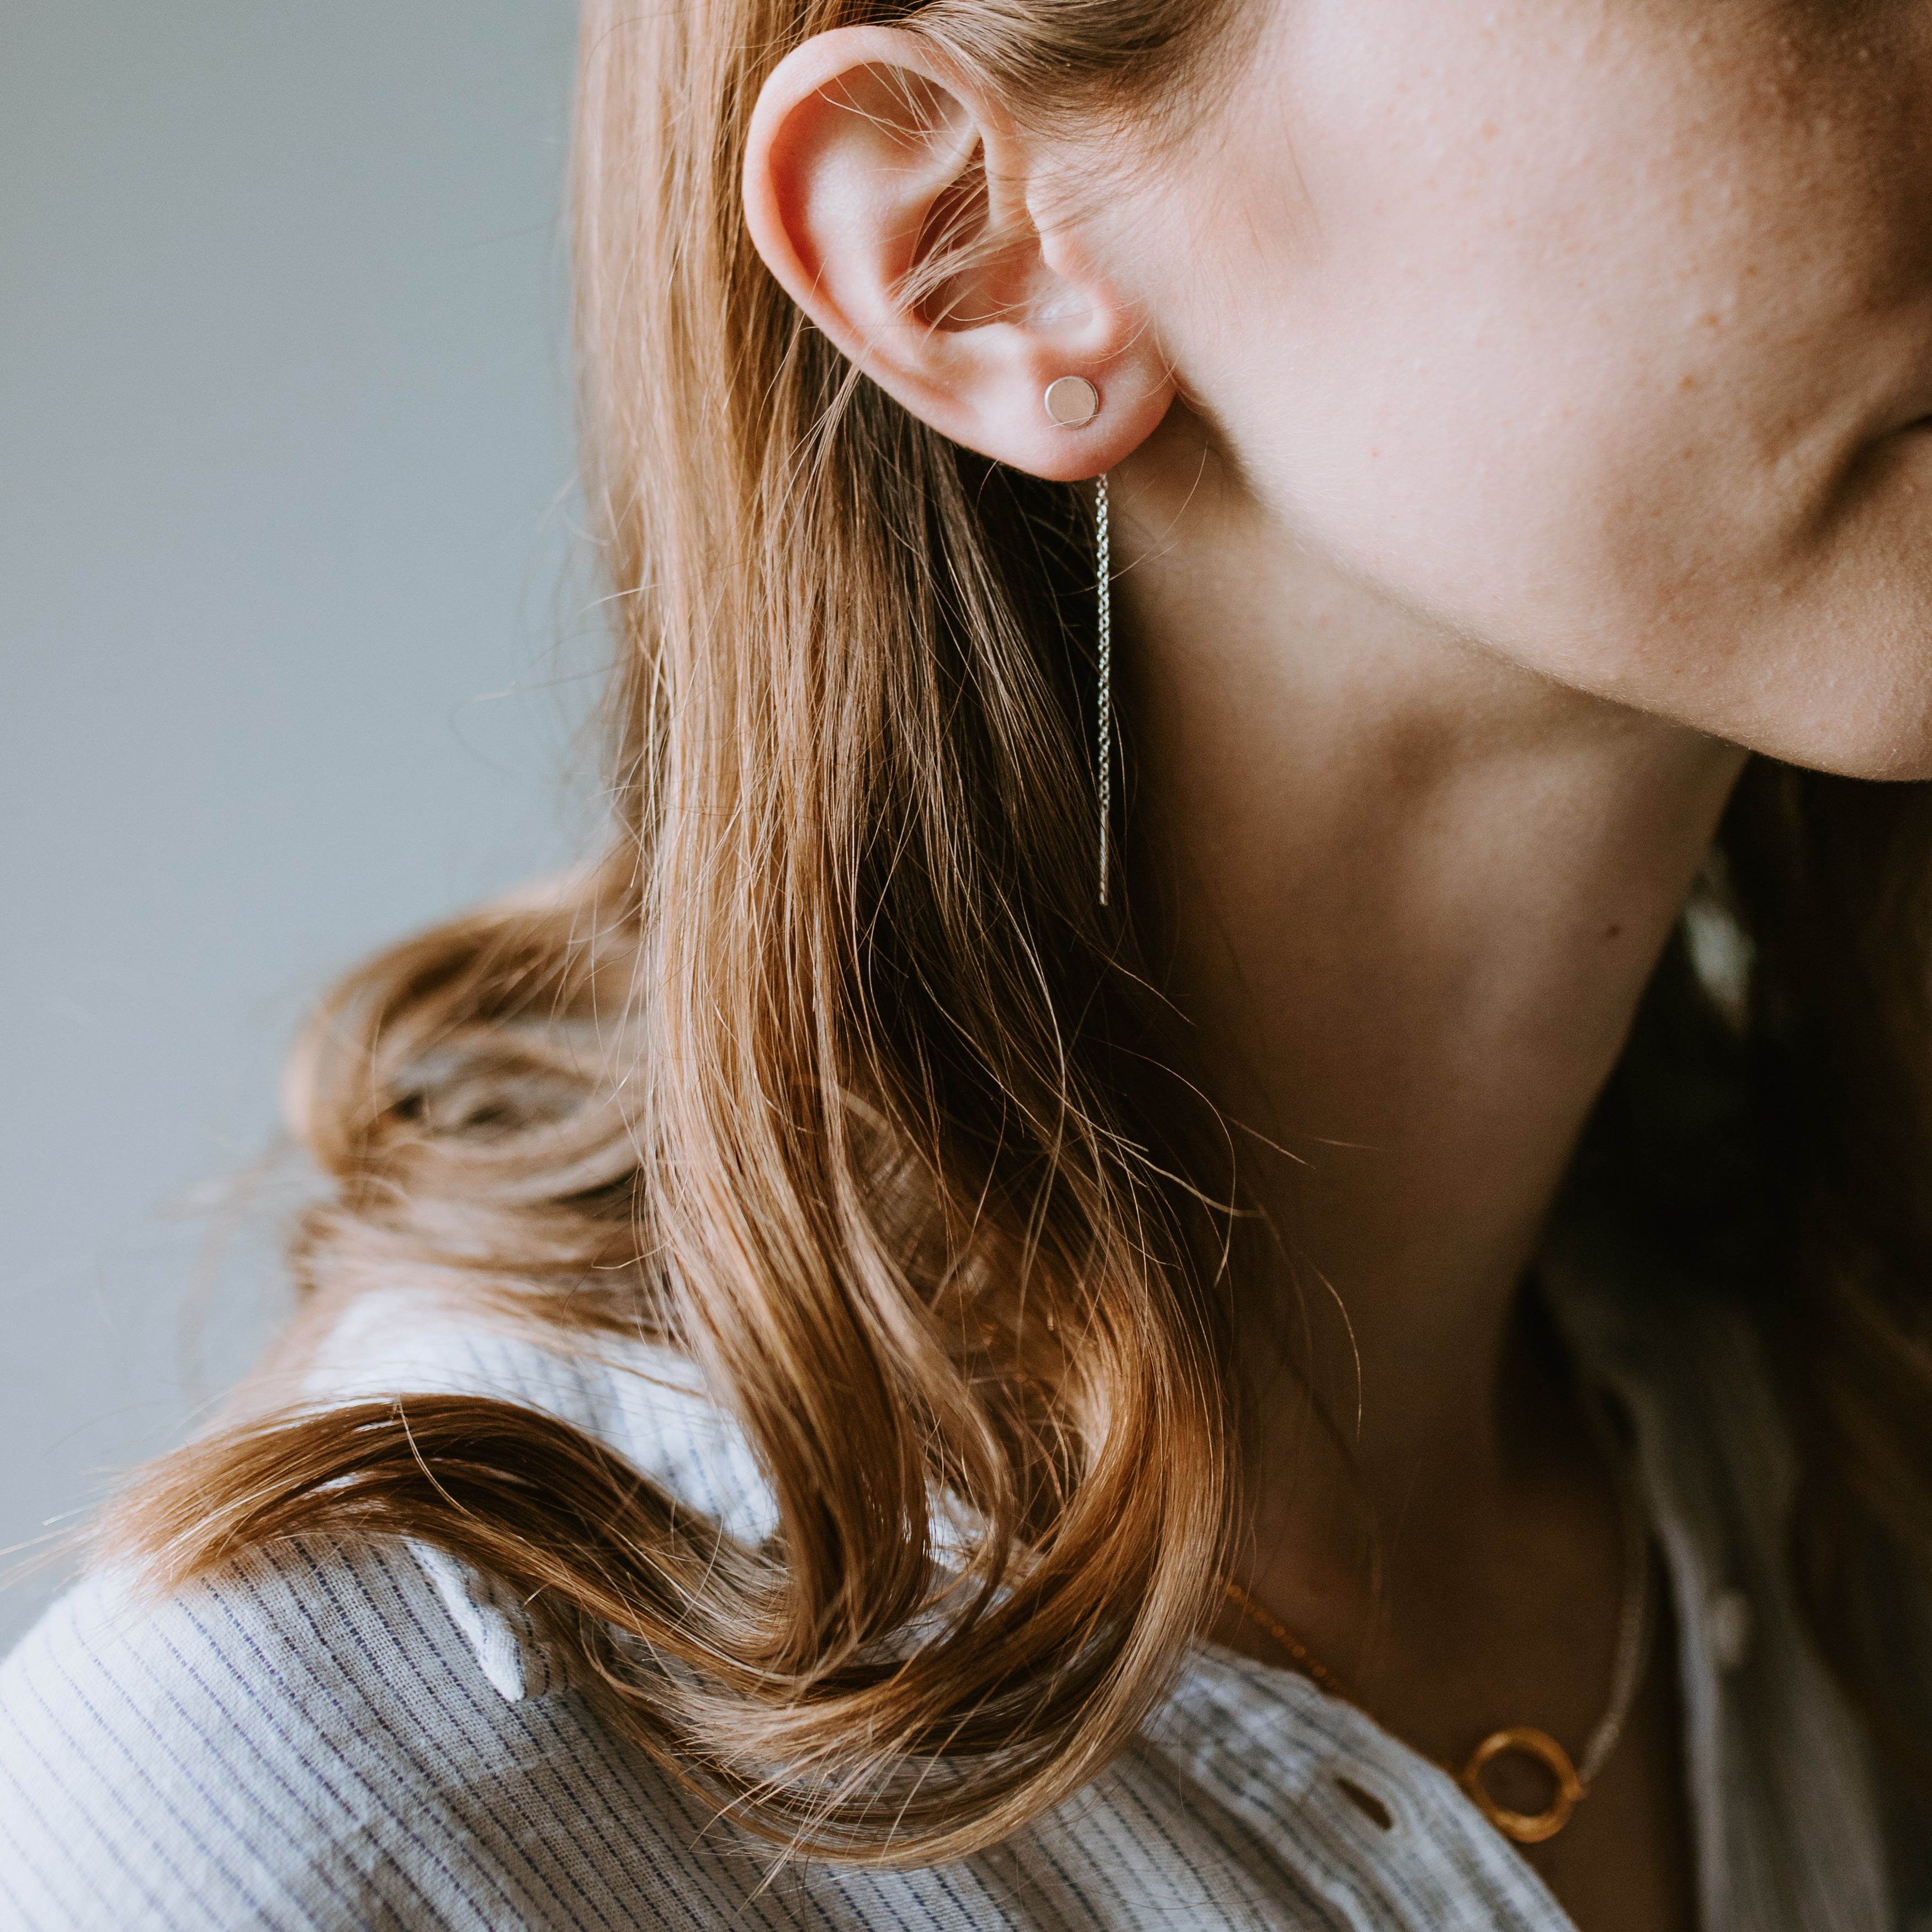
(1102, 549)
(1073, 402)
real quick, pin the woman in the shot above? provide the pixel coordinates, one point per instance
(1318, 1319)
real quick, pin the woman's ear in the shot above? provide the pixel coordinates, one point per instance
(900, 208)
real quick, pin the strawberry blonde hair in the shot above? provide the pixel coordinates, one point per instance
(831, 1074)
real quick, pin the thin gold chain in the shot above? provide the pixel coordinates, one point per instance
(1305, 1661)
(1573, 1780)
(1603, 1741)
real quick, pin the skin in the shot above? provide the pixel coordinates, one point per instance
(1515, 413)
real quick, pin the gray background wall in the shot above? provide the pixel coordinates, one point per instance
(290, 651)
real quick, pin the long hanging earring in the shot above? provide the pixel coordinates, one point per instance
(1102, 560)
(1073, 402)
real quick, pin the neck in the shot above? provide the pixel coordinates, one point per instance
(1410, 894)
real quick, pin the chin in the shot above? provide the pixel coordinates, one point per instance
(1912, 767)
(1886, 755)
(1853, 697)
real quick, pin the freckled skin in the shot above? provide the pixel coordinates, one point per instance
(1594, 330)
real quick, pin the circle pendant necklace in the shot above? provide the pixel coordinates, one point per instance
(1570, 1780)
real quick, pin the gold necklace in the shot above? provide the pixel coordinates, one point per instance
(1572, 1781)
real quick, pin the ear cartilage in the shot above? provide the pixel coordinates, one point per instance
(1072, 402)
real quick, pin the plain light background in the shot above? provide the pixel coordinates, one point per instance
(291, 624)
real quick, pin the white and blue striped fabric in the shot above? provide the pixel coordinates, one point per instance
(325, 1738)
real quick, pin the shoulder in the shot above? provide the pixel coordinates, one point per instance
(328, 1737)
(336, 1737)
(309, 1740)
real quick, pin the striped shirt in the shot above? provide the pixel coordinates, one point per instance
(337, 1738)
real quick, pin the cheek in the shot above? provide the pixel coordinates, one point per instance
(1592, 372)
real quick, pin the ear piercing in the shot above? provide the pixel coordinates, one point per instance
(1072, 402)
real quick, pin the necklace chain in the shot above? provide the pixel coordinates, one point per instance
(1572, 1781)
(1305, 1661)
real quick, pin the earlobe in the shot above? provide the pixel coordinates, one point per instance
(893, 200)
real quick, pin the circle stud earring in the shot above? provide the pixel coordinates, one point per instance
(1072, 402)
